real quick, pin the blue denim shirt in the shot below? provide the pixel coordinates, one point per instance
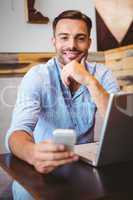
(44, 103)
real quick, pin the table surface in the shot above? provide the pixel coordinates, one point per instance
(77, 181)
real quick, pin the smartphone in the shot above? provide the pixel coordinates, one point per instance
(65, 136)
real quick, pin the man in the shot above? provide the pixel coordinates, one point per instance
(63, 93)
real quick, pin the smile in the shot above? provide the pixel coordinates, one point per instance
(72, 54)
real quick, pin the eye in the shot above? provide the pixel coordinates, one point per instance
(63, 38)
(81, 39)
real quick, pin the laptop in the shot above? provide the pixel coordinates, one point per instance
(116, 137)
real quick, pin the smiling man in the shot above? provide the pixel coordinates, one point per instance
(63, 93)
(71, 42)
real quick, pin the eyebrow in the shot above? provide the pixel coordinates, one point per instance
(77, 35)
(62, 34)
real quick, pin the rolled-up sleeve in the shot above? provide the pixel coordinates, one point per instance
(107, 79)
(109, 82)
(28, 104)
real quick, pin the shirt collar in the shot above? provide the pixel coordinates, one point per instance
(58, 65)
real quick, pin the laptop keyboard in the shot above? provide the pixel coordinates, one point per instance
(87, 151)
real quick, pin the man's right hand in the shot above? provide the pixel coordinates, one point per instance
(47, 156)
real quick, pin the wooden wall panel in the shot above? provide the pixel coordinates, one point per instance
(20, 63)
(119, 60)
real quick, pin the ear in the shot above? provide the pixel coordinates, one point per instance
(90, 42)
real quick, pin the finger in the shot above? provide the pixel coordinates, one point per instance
(64, 161)
(42, 157)
(49, 147)
(59, 155)
(83, 60)
(44, 170)
(66, 82)
(47, 170)
(65, 78)
(79, 58)
(57, 163)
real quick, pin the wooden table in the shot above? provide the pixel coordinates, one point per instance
(77, 181)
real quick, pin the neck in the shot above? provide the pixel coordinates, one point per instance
(60, 63)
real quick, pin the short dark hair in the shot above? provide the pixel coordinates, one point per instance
(73, 14)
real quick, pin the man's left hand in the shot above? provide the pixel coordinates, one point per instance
(76, 71)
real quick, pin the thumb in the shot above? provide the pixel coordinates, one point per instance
(80, 57)
(83, 60)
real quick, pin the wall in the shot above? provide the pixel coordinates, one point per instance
(8, 91)
(18, 36)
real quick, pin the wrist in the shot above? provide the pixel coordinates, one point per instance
(30, 156)
(89, 80)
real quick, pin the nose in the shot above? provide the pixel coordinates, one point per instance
(72, 43)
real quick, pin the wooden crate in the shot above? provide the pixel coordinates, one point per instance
(120, 61)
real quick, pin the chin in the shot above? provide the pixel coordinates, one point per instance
(67, 60)
(64, 60)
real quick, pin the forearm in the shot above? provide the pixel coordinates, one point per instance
(21, 145)
(44, 156)
(99, 94)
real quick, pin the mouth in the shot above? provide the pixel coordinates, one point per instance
(72, 54)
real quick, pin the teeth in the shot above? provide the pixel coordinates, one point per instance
(72, 54)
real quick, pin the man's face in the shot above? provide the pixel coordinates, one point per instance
(71, 40)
